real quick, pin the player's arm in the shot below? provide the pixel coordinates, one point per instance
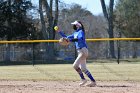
(70, 37)
(62, 34)
(56, 28)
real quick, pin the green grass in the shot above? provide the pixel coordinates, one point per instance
(101, 71)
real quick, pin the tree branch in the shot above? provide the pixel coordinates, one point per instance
(104, 9)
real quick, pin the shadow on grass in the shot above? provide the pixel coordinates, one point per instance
(37, 62)
(113, 86)
(129, 60)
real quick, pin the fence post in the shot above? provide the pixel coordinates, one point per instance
(118, 47)
(33, 57)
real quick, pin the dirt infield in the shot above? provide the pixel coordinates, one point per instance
(68, 87)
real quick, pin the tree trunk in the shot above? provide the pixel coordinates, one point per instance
(43, 28)
(51, 22)
(109, 17)
(56, 16)
(50, 46)
(7, 54)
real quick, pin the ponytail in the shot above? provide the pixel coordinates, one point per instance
(82, 26)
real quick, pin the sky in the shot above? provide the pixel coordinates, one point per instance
(94, 6)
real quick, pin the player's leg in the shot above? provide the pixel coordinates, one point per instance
(84, 68)
(77, 68)
(87, 72)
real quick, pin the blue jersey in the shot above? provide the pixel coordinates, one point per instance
(79, 35)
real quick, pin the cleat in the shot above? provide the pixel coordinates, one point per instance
(83, 82)
(91, 84)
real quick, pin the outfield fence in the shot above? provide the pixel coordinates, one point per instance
(50, 51)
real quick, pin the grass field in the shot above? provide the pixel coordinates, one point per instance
(101, 71)
(61, 78)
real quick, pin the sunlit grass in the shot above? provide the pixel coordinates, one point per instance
(100, 71)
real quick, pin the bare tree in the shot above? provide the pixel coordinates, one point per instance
(43, 28)
(52, 17)
(109, 17)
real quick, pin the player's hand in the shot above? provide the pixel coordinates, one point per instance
(64, 41)
(56, 28)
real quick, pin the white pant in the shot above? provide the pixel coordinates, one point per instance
(81, 59)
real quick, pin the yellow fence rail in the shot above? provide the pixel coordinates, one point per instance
(55, 41)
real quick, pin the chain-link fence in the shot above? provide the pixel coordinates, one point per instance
(40, 53)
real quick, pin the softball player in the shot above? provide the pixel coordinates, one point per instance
(78, 37)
